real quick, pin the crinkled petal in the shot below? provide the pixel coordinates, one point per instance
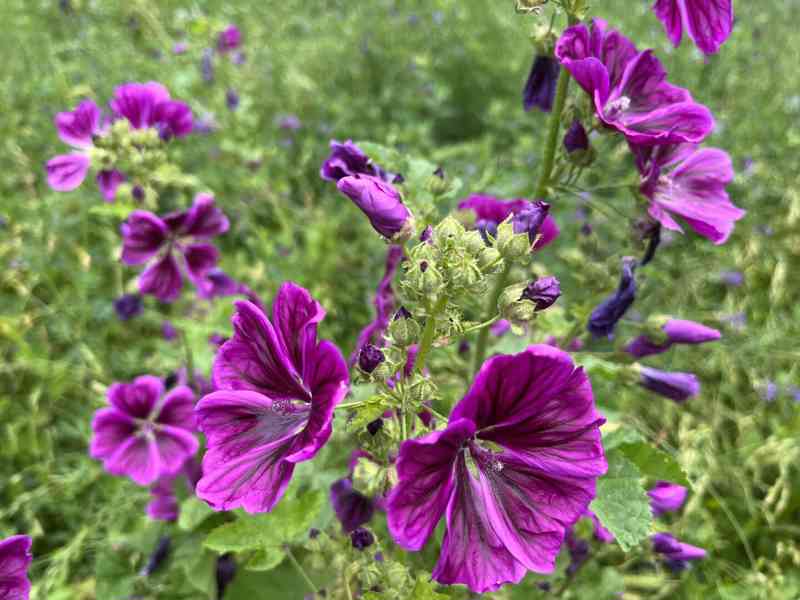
(709, 23)
(162, 279)
(77, 127)
(549, 231)
(143, 234)
(137, 102)
(200, 260)
(256, 359)
(204, 219)
(295, 315)
(137, 399)
(173, 118)
(111, 429)
(108, 182)
(489, 208)
(67, 171)
(670, 124)
(425, 486)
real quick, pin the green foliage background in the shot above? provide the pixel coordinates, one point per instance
(440, 79)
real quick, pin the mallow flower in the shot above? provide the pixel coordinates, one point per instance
(629, 88)
(490, 212)
(146, 105)
(676, 386)
(688, 182)
(144, 433)
(707, 22)
(15, 558)
(676, 331)
(380, 201)
(666, 497)
(229, 39)
(513, 470)
(173, 245)
(540, 87)
(277, 387)
(347, 159)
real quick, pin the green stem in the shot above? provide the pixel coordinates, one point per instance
(429, 333)
(551, 143)
(491, 321)
(301, 570)
(187, 351)
(491, 309)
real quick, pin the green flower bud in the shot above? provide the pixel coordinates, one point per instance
(432, 280)
(490, 260)
(404, 330)
(512, 307)
(512, 246)
(474, 242)
(449, 231)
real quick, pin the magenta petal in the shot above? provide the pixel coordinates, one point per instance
(200, 260)
(174, 445)
(255, 358)
(177, 409)
(111, 429)
(549, 232)
(77, 127)
(15, 558)
(173, 118)
(163, 507)
(137, 458)
(162, 279)
(681, 331)
(137, 102)
(108, 182)
(295, 315)
(489, 208)
(143, 233)
(472, 553)
(666, 497)
(670, 124)
(137, 399)
(708, 22)
(204, 219)
(67, 171)
(669, 13)
(425, 473)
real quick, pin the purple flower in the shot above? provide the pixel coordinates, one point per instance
(229, 39)
(676, 553)
(540, 88)
(678, 331)
(490, 212)
(346, 159)
(361, 538)
(290, 122)
(128, 306)
(168, 331)
(180, 47)
(232, 99)
(629, 88)
(277, 390)
(576, 139)
(666, 497)
(15, 558)
(707, 22)
(369, 357)
(673, 385)
(514, 469)
(217, 284)
(149, 104)
(147, 237)
(682, 180)
(605, 317)
(500, 328)
(164, 503)
(382, 204)
(543, 292)
(352, 508)
(601, 534)
(142, 434)
(732, 278)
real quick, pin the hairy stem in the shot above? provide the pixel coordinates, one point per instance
(551, 142)
(491, 312)
(429, 333)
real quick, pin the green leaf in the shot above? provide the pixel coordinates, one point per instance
(622, 505)
(654, 463)
(281, 583)
(425, 589)
(619, 436)
(265, 559)
(193, 512)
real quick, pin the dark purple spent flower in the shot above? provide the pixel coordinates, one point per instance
(373, 427)
(586, 229)
(398, 178)
(576, 138)
(673, 549)
(159, 555)
(487, 229)
(138, 193)
(543, 292)
(313, 533)
(369, 358)
(402, 313)
(579, 551)
(707, 23)
(362, 538)
(226, 571)
(232, 99)
(463, 347)
(346, 159)
(170, 380)
(666, 497)
(352, 508)
(128, 306)
(540, 87)
(378, 557)
(673, 385)
(217, 339)
(531, 218)
(605, 317)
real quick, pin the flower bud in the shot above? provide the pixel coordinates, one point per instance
(403, 329)
(369, 358)
(513, 308)
(437, 183)
(576, 143)
(540, 87)
(382, 204)
(361, 538)
(543, 292)
(474, 242)
(605, 317)
(432, 280)
(489, 260)
(373, 427)
(449, 229)
(673, 385)
(510, 244)
(531, 218)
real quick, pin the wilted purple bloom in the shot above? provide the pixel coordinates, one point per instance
(128, 306)
(490, 212)
(579, 551)
(149, 104)
(168, 331)
(369, 358)
(605, 317)
(732, 278)
(180, 47)
(707, 22)
(384, 305)
(540, 87)
(142, 434)
(689, 182)
(229, 39)
(352, 508)
(673, 385)
(277, 390)
(361, 538)
(177, 242)
(678, 331)
(382, 204)
(346, 159)
(676, 553)
(164, 503)
(15, 558)
(666, 497)
(232, 99)
(290, 122)
(576, 139)
(156, 560)
(514, 469)
(543, 292)
(629, 88)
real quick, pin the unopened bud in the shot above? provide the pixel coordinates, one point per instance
(543, 292)
(404, 330)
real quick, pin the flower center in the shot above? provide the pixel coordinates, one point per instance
(614, 108)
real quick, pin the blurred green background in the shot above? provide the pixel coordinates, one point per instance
(440, 79)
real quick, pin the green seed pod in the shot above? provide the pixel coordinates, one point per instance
(404, 331)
